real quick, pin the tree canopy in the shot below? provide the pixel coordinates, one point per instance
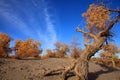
(28, 48)
(4, 44)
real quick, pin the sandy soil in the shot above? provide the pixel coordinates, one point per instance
(12, 69)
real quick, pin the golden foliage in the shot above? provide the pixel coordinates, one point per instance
(3, 52)
(28, 48)
(75, 50)
(75, 53)
(97, 18)
(48, 54)
(4, 44)
(105, 54)
(109, 50)
(12, 56)
(61, 49)
(111, 47)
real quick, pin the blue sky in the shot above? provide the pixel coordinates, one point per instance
(47, 20)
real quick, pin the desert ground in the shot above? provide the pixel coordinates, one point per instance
(14, 69)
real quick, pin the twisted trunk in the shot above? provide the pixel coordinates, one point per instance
(81, 68)
(113, 62)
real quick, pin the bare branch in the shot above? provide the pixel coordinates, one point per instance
(115, 20)
(112, 23)
(48, 71)
(114, 10)
(86, 33)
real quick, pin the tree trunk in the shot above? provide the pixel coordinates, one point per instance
(113, 62)
(67, 69)
(81, 68)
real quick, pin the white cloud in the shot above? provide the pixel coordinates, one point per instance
(50, 38)
(16, 23)
(13, 19)
(47, 36)
(50, 27)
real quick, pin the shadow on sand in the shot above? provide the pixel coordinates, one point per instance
(94, 75)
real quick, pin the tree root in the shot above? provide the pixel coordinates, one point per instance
(49, 71)
(79, 66)
(80, 69)
(68, 69)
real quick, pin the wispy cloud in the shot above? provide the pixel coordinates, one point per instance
(16, 22)
(32, 19)
(51, 37)
(50, 27)
(10, 16)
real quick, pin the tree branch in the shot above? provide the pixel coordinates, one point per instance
(115, 20)
(48, 71)
(86, 33)
(114, 10)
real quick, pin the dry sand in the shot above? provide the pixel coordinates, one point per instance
(13, 69)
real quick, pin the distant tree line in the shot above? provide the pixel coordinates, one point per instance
(32, 48)
(22, 49)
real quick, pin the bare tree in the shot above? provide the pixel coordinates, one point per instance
(97, 31)
(75, 50)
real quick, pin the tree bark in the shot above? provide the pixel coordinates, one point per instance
(67, 69)
(90, 50)
(113, 62)
(81, 69)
